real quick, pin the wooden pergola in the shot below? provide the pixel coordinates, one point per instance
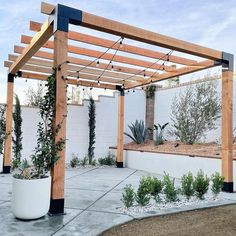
(33, 63)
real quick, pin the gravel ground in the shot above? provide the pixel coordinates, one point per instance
(220, 221)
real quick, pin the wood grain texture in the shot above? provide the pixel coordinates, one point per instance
(120, 131)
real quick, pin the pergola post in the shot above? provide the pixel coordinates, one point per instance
(120, 148)
(9, 111)
(227, 123)
(58, 171)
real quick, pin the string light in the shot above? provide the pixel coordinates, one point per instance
(144, 74)
(99, 83)
(97, 64)
(26, 80)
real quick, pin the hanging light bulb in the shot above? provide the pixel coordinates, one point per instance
(121, 42)
(83, 89)
(142, 88)
(133, 91)
(105, 89)
(122, 86)
(91, 88)
(97, 65)
(26, 80)
(99, 83)
(144, 74)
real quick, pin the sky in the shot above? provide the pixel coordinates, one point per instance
(210, 23)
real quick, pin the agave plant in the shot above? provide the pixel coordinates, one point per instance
(139, 132)
(159, 133)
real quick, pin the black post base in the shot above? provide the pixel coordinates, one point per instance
(57, 206)
(228, 187)
(6, 169)
(119, 164)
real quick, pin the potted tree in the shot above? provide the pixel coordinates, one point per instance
(2, 133)
(32, 184)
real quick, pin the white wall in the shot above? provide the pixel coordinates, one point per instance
(77, 124)
(163, 101)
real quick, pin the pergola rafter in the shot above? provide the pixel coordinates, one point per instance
(33, 63)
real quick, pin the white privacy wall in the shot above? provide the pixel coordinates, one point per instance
(162, 113)
(77, 124)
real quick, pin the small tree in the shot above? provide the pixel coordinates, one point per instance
(2, 127)
(17, 139)
(194, 112)
(35, 97)
(92, 126)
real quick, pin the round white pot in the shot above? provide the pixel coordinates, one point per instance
(31, 198)
(1, 162)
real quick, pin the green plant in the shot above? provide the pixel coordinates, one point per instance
(128, 196)
(150, 91)
(156, 188)
(142, 195)
(17, 138)
(35, 97)
(171, 193)
(187, 186)
(92, 126)
(47, 150)
(75, 161)
(195, 112)
(159, 133)
(2, 127)
(201, 184)
(217, 183)
(139, 132)
(109, 160)
(84, 161)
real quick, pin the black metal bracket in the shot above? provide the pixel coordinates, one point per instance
(10, 78)
(227, 61)
(121, 90)
(63, 16)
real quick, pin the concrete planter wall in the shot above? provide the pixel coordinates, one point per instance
(175, 165)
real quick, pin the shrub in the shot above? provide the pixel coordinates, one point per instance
(171, 193)
(217, 183)
(109, 160)
(17, 138)
(194, 112)
(2, 127)
(142, 196)
(92, 126)
(128, 196)
(139, 132)
(159, 133)
(155, 188)
(201, 184)
(187, 187)
(84, 161)
(75, 161)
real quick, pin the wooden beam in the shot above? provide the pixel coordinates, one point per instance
(113, 27)
(227, 129)
(75, 68)
(47, 8)
(85, 38)
(83, 62)
(9, 117)
(108, 56)
(181, 71)
(48, 71)
(120, 131)
(37, 76)
(35, 44)
(58, 171)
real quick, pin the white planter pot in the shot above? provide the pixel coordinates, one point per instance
(1, 162)
(31, 198)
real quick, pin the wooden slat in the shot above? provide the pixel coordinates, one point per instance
(73, 68)
(142, 35)
(83, 62)
(181, 71)
(49, 71)
(227, 125)
(30, 75)
(108, 56)
(120, 131)
(9, 114)
(35, 26)
(35, 44)
(47, 8)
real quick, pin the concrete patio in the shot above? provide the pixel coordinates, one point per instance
(92, 198)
